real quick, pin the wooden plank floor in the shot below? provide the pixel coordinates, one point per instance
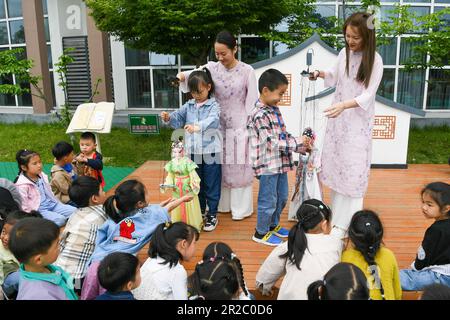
(393, 193)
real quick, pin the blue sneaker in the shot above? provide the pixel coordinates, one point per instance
(268, 239)
(281, 232)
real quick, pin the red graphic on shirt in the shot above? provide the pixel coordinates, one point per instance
(127, 228)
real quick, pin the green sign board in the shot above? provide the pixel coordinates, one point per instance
(144, 123)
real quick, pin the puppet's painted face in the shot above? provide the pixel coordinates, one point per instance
(177, 150)
(310, 134)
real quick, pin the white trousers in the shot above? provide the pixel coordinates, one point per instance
(238, 201)
(343, 208)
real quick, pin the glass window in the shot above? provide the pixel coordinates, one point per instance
(166, 96)
(439, 89)
(157, 59)
(44, 6)
(407, 50)
(189, 61)
(388, 52)
(14, 8)
(47, 30)
(2, 10)
(419, 11)
(139, 89)
(135, 57)
(386, 88)
(279, 48)
(254, 49)
(7, 99)
(411, 88)
(323, 14)
(445, 18)
(389, 1)
(442, 1)
(3, 33)
(348, 11)
(17, 31)
(25, 99)
(412, 1)
(386, 14)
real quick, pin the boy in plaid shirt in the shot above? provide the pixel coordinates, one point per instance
(271, 153)
(78, 238)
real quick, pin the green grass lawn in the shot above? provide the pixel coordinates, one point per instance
(122, 149)
(119, 148)
(429, 145)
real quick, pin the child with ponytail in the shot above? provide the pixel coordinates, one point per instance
(221, 249)
(130, 225)
(311, 250)
(163, 276)
(377, 262)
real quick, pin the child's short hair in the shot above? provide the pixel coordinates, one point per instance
(272, 79)
(31, 236)
(165, 239)
(82, 189)
(344, 281)
(88, 136)
(14, 216)
(62, 149)
(200, 76)
(440, 193)
(116, 270)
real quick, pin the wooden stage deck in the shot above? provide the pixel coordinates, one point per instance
(393, 193)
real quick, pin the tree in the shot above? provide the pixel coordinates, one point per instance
(12, 62)
(185, 27)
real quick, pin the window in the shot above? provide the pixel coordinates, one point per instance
(439, 89)
(323, 14)
(3, 33)
(139, 89)
(419, 11)
(411, 88)
(17, 31)
(348, 11)
(14, 8)
(165, 96)
(388, 52)
(254, 49)
(387, 85)
(135, 57)
(407, 50)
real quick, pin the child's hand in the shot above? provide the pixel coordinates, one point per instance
(165, 116)
(187, 198)
(81, 158)
(165, 202)
(191, 128)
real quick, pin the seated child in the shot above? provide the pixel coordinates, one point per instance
(130, 225)
(77, 241)
(376, 261)
(432, 264)
(200, 118)
(34, 242)
(119, 273)
(311, 250)
(214, 279)
(89, 162)
(9, 266)
(35, 190)
(221, 249)
(271, 148)
(344, 281)
(62, 172)
(163, 276)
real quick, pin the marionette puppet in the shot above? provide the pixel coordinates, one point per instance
(182, 179)
(306, 177)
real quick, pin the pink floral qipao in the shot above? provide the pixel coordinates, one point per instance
(347, 144)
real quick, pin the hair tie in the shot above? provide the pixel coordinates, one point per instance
(233, 256)
(368, 224)
(167, 225)
(324, 282)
